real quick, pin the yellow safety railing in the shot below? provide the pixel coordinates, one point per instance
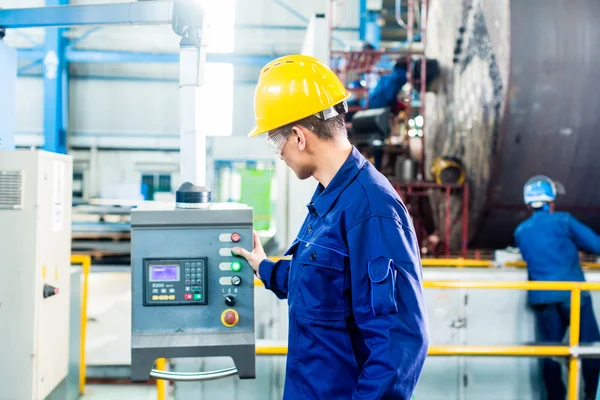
(161, 385)
(507, 351)
(86, 263)
(468, 263)
(569, 350)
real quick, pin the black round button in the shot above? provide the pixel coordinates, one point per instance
(230, 300)
(313, 256)
(236, 281)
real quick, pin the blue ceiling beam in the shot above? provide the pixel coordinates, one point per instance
(111, 57)
(106, 56)
(143, 12)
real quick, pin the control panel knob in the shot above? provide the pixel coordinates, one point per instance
(236, 280)
(230, 318)
(50, 290)
(230, 300)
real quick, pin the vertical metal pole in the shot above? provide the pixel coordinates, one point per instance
(362, 29)
(465, 219)
(192, 63)
(56, 90)
(447, 221)
(574, 363)
(411, 22)
(423, 80)
(161, 384)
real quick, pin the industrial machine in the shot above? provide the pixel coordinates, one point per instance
(35, 244)
(191, 296)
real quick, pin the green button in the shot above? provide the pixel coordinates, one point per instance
(195, 288)
(198, 296)
(236, 266)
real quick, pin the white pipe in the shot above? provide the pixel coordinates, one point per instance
(192, 64)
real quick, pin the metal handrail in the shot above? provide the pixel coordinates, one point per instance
(573, 350)
(468, 263)
(86, 263)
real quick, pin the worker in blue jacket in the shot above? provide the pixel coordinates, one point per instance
(385, 93)
(549, 242)
(357, 323)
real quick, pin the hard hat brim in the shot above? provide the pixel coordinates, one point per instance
(255, 132)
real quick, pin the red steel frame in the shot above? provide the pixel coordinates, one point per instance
(364, 62)
(409, 191)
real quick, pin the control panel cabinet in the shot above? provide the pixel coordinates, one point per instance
(191, 297)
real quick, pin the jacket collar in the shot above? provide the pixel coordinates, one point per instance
(323, 198)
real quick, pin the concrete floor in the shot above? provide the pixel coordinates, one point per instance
(119, 392)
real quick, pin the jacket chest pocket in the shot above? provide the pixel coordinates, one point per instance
(320, 283)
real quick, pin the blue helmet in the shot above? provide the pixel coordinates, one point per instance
(540, 190)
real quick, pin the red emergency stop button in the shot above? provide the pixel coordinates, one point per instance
(230, 318)
(188, 296)
(235, 237)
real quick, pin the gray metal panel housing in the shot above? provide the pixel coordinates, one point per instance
(164, 232)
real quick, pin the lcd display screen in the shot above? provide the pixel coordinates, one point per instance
(164, 273)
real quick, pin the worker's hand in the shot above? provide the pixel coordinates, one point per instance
(255, 257)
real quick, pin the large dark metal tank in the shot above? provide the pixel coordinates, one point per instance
(519, 95)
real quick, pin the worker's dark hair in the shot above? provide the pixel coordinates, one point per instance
(324, 129)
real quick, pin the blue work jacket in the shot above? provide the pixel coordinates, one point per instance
(549, 244)
(386, 91)
(357, 323)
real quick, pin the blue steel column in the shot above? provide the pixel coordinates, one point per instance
(369, 29)
(362, 28)
(56, 87)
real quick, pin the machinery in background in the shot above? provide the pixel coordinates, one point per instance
(35, 233)
(393, 137)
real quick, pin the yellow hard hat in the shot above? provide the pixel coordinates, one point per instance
(294, 87)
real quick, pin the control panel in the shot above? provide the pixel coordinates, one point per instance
(191, 296)
(170, 282)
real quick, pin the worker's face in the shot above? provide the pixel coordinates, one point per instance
(294, 151)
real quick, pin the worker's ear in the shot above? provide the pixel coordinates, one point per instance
(299, 134)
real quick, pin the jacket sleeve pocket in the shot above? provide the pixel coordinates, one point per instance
(382, 276)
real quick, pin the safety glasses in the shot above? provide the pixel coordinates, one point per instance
(276, 140)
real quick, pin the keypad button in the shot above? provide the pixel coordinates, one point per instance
(187, 264)
(198, 296)
(187, 288)
(193, 281)
(187, 276)
(188, 296)
(163, 290)
(172, 297)
(154, 290)
(171, 290)
(154, 297)
(193, 276)
(187, 282)
(193, 265)
(187, 270)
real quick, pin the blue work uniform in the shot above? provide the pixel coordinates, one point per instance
(386, 91)
(357, 322)
(550, 243)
